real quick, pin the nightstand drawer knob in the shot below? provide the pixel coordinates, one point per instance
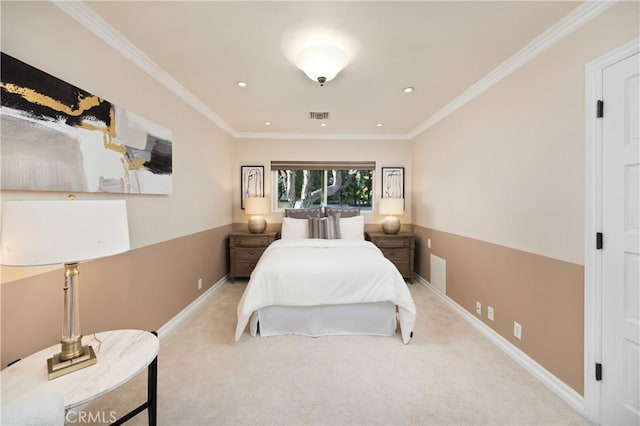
(252, 252)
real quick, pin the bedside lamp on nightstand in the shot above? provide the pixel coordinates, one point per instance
(256, 207)
(392, 207)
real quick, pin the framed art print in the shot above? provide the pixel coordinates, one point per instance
(252, 182)
(393, 182)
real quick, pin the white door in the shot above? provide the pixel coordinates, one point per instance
(620, 404)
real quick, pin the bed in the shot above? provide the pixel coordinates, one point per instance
(316, 287)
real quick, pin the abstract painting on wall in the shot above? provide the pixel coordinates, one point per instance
(57, 137)
(252, 182)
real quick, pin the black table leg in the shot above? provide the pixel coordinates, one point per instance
(152, 396)
(152, 391)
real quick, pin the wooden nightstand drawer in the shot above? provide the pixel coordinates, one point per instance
(398, 248)
(243, 268)
(241, 254)
(396, 254)
(383, 242)
(252, 241)
(245, 250)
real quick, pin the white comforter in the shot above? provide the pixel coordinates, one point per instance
(325, 272)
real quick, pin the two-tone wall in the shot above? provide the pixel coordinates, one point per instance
(175, 239)
(499, 188)
(260, 152)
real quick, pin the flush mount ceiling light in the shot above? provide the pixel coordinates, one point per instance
(242, 84)
(408, 89)
(321, 53)
(321, 63)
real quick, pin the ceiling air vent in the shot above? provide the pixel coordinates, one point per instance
(319, 115)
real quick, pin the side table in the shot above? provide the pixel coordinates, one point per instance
(122, 355)
(398, 248)
(245, 250)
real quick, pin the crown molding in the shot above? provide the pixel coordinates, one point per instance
(82, 13)
(565, 26)
(324, 136)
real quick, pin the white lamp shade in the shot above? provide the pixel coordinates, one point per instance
(256, 205)
(391, 206)
(321, 61)
(51, 232)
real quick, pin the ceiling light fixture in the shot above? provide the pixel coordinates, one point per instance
(242, 84)
(320, 52)
(379, 124)
(321, 63)
(323, 124)
(408, 89)
(267, 123)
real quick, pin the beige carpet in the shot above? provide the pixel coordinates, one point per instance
(448, 375)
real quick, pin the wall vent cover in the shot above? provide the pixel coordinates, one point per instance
(319, 115)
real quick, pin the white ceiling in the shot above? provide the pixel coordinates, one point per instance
(440, 48)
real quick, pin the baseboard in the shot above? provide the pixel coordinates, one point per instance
(561, 389)
(186, 312)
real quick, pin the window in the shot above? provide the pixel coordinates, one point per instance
(316, 184)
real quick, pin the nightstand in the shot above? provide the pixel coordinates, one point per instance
(398, 248)
(245, 250)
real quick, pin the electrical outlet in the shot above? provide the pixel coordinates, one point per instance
(199, 283)
(428, 242)
(490, 313)
(517, 330)
(478, 308)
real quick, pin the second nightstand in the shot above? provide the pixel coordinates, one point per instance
(245, 250)
(398, 248)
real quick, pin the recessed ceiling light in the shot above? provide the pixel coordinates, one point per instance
(323, 124)
(267, 123)
(379, 124)
(242, 84)
(408, 89)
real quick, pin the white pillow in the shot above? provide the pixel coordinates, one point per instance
(352, 228)
(294, 228)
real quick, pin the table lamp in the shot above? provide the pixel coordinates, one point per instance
(67, 232)
(256, 207)
(392, 207)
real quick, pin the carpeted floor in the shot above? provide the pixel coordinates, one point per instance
(448, 375)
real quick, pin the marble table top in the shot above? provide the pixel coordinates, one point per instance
(122, 354)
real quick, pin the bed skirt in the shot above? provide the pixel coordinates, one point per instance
(378, 319)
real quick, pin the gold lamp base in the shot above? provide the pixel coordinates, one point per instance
(58, 367)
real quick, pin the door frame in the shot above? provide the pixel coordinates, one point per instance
(593, 223)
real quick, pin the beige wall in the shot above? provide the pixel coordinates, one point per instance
(508, 167)
(175, 239)
(141, 289)
(507, 170)
(256, 152)
(545, 295)
(39, 34)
